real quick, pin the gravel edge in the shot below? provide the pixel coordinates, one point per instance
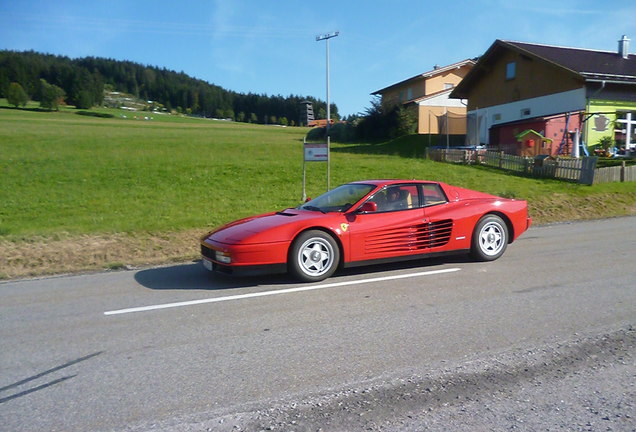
(587, 383)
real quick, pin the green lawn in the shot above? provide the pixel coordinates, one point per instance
(66, 173)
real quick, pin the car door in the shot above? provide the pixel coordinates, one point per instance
(394, 229)
(438, 216)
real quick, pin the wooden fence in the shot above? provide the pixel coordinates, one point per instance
(613, 174)
(581, 170)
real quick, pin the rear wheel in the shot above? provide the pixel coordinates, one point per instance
(490, 238)
(314, 256)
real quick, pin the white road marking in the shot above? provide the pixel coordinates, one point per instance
(277, 292)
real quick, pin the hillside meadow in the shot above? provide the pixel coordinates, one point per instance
(84, 193)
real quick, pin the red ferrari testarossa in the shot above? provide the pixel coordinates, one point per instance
(367, 222)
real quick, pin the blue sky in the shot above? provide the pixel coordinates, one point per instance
(269, 46)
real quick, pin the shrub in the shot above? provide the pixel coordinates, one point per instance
(94, 114)
(16, 95)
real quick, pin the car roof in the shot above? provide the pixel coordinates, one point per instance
(386, 182)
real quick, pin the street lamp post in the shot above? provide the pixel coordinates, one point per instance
(326, 38)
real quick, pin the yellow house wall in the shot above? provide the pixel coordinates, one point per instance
(428, 122)
(533, 78)
(436, 83)
(400, 94)
(423, 86)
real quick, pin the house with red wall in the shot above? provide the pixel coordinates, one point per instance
(564, 94)
(556, 130)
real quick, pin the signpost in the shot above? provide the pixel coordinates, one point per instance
(326, 38)
(315, 152)
(319, 152)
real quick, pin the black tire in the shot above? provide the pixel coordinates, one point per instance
(490, 238)
(314, 256)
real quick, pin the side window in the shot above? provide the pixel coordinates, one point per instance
(400, 197)
(412, 195)
(511, 70)
(433, 195)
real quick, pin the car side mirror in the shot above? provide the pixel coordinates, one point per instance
(369, 207)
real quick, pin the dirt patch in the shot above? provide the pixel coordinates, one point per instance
(66, 253)
(563, 207)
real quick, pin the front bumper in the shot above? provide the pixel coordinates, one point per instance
(247, 270)
(245, 260)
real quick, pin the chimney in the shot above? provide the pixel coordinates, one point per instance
(623, 47)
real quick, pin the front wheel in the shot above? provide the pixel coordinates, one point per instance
(490, 238)
(314, 256)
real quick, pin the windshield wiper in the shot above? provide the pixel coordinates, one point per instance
(314, 208)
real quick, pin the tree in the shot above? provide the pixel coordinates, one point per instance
(16, 95)
(85, 89)
(406, 121)
(333, 112)
(84, 80)
(382, 122)
(374, 124)
(83, 100)
(52, 95)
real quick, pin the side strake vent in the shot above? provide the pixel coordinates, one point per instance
(282, 213)
(407, 239)
(439, 233)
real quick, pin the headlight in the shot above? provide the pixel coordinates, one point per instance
(222, 257)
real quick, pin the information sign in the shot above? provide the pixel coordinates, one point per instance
(316, 152)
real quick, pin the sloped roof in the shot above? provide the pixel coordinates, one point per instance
(586, 64)
(531, 131)
(428, 74)
(430, 96)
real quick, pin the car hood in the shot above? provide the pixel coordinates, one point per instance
(269, 227)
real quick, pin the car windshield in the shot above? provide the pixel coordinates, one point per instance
(339, 199)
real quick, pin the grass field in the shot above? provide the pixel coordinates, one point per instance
(103, 192)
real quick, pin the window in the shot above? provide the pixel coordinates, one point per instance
(433, 195)
(399, 197)
(339, 199)
(525, 112)
(409, 93)
(511, 70)
(448, 86)
(625, 121)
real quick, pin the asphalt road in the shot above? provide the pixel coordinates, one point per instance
(176, 348)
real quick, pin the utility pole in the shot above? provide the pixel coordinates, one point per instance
(326, 38)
